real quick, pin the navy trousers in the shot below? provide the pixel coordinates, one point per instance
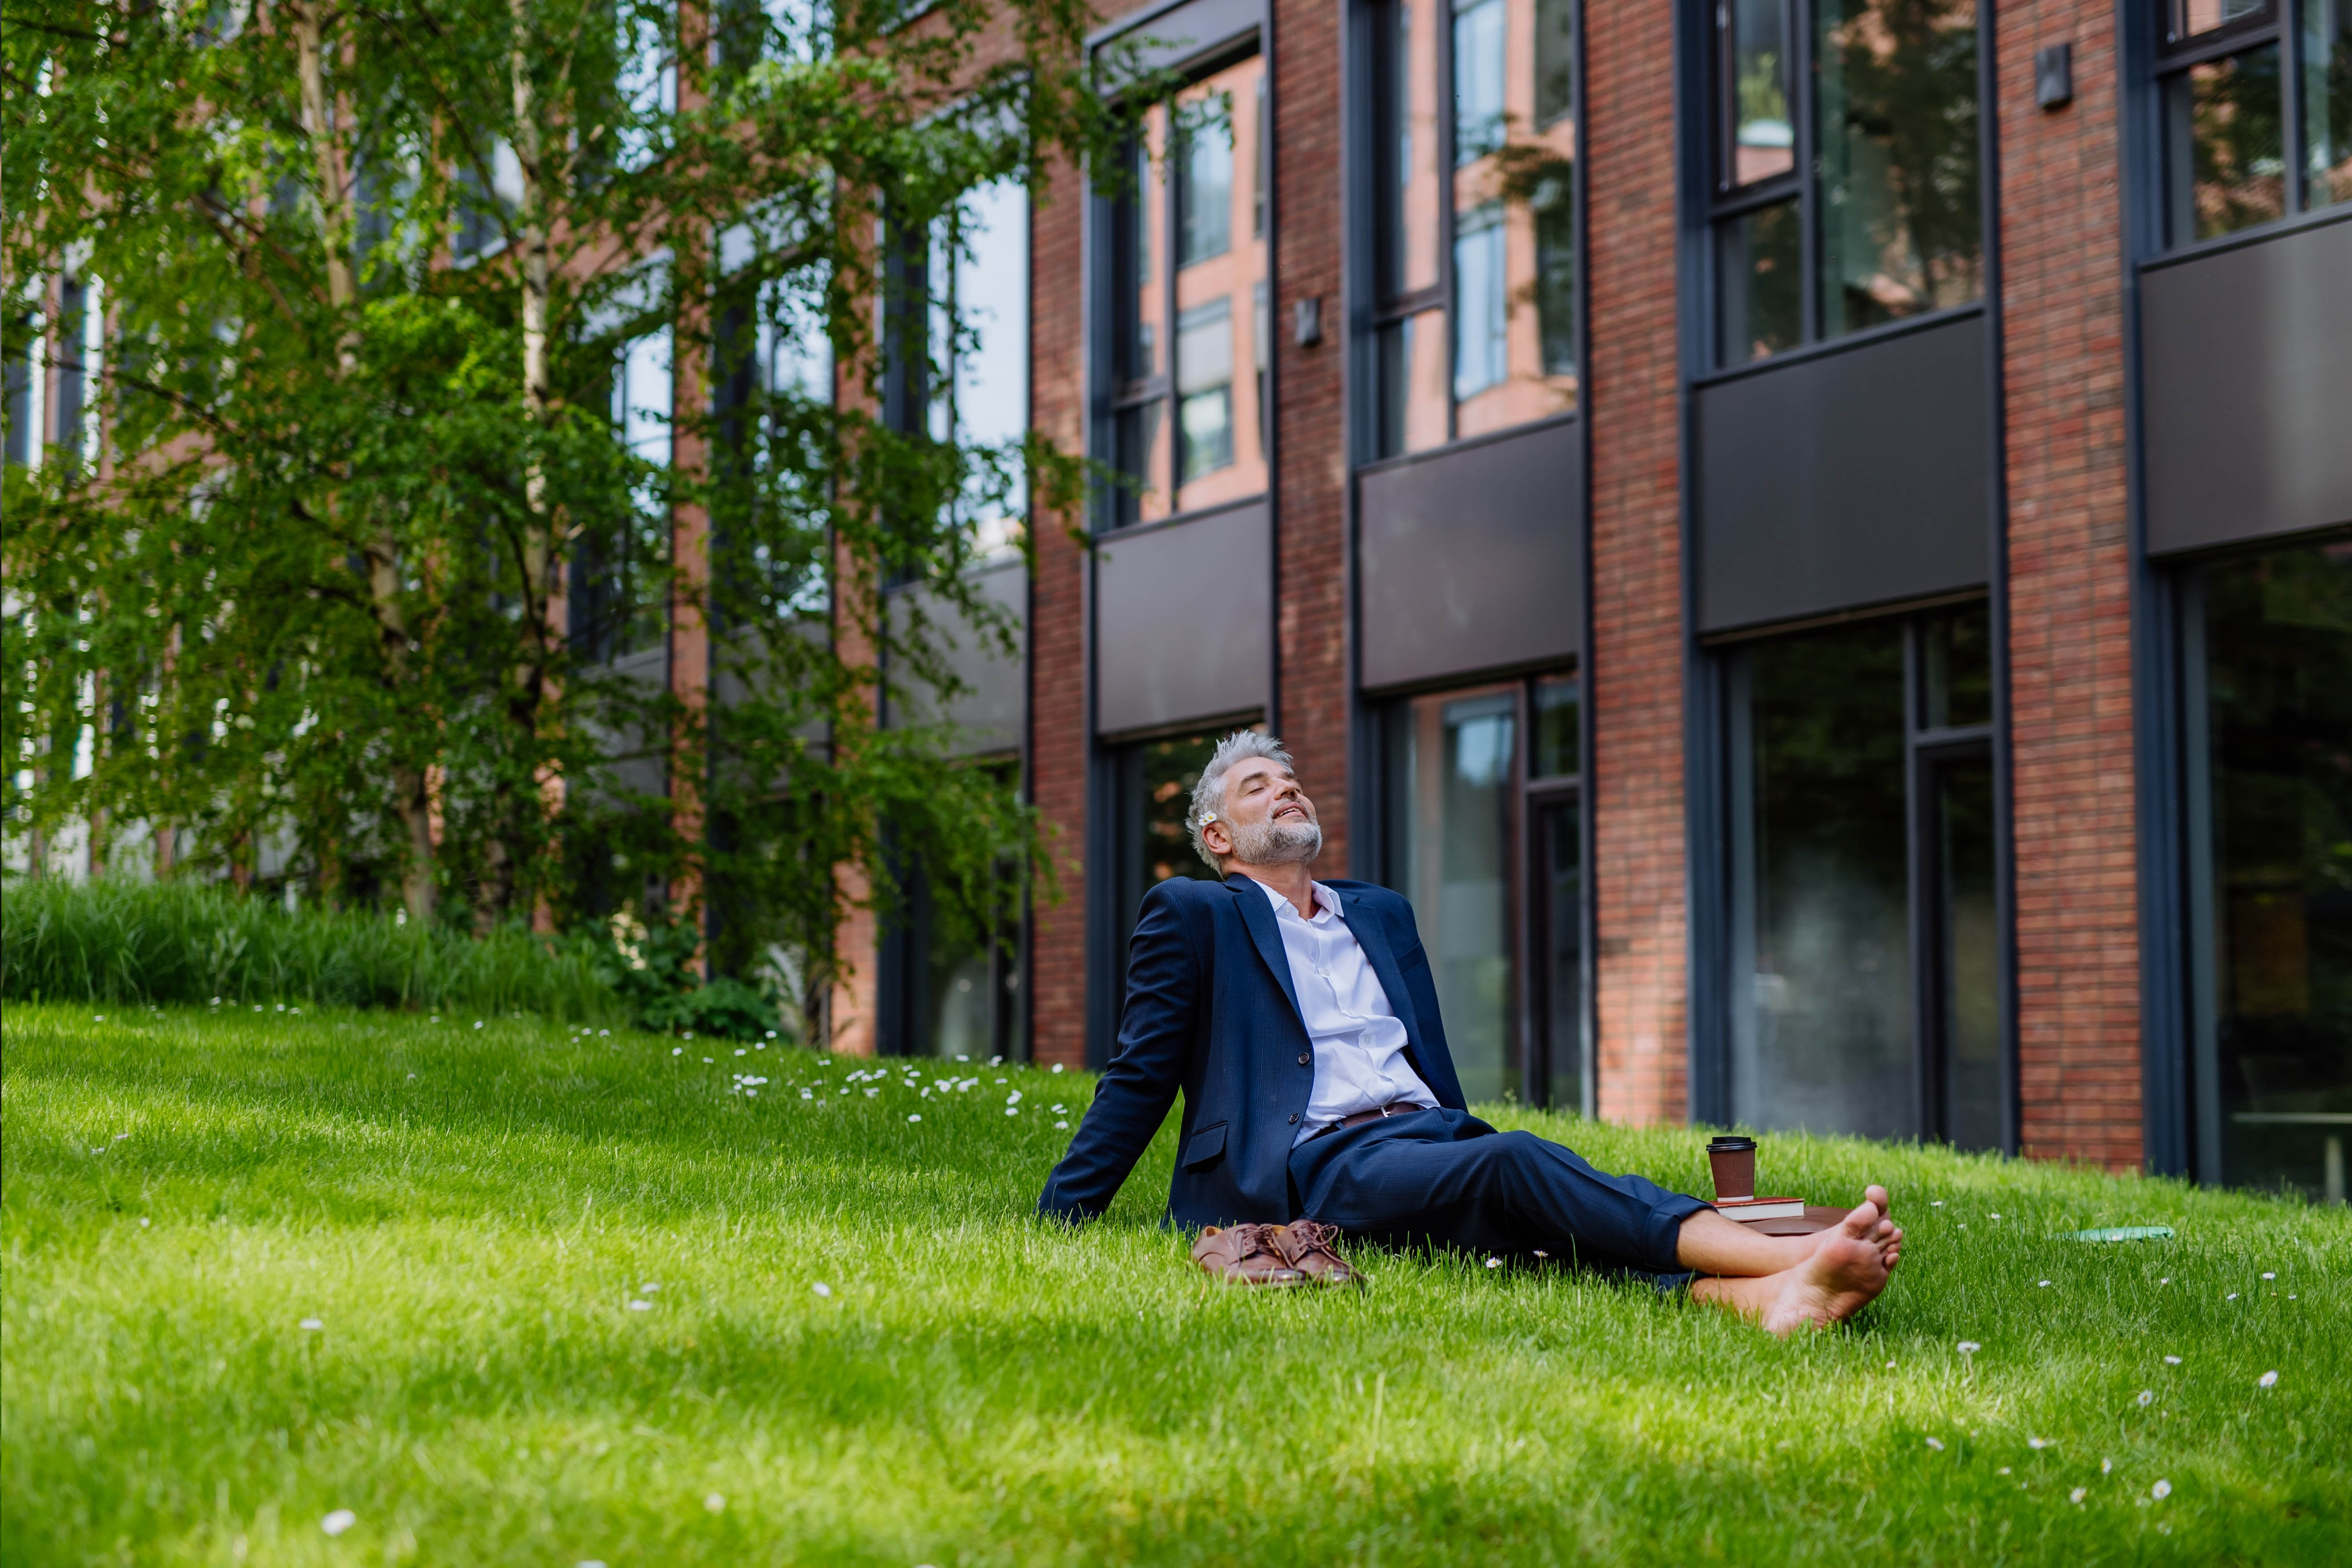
(1447, 1177)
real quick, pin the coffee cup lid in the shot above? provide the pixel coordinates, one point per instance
(1730, 1143)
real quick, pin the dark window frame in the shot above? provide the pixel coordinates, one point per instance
(1117, 248)
(1927, 749)
(1384, 306)
(1527, 933)
(1723, 201)
(2171, 54)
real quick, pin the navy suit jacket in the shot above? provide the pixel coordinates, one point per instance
(1211, 1011)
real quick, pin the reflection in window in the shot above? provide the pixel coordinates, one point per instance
(2222, 141)
(2234, 158)
(1209, 308)
(1831, 1028)
(2268, 661)
(1479, 52)
(1891, 198)
(1553, 721)
(1154, 782)
(1494, 346)
(1482, 313)
(1896, 114)
(1756, 83)
(1205, 386)
(1555, 60)
(1452, 790)
(1760, 254)
(2327, 87)
(618, 601)
(1204, 182)
(979, 352)
(1821, 1009)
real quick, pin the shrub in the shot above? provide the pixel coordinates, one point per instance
(183, 941)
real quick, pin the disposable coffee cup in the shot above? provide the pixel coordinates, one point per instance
(1734, 1159)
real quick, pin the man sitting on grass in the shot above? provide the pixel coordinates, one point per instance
(1299, 1019)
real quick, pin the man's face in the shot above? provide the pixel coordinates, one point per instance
(1266, 817)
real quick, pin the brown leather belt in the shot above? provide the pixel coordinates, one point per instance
(1394, 1108)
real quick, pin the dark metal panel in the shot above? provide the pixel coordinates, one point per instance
(1176, 34)
(991, 712)
(1472, 558)
(1845, 479)
(2247, 390)
(1182, 618)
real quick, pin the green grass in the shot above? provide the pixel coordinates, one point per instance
(470, 1213)
(118, 943)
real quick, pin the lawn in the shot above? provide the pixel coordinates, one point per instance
(507, 1294)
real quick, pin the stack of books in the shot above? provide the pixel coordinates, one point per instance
(1751, 1210)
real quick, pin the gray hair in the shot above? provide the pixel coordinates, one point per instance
(1209, 792)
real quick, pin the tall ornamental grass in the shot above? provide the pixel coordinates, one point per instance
(179, 942)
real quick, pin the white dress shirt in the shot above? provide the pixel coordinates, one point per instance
(1360, 1042)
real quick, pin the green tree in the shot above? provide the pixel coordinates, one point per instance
(365, 537)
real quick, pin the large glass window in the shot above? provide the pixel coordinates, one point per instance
(1864, 934)
(1179, 332)
(950, 979)
(2256, 99)
(1474, 261)
(1153, 789)
(979, 265)
(1484, 834)
(2268, 680)
(1845, 167)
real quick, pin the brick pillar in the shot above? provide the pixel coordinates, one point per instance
(1059, 745)
(1310, 480)
(1635, 774)
(2069, 605)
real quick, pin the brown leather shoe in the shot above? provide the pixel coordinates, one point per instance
(1305, 1246)
(1240, 1256)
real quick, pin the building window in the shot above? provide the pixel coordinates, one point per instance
(619, 599)
(1863, 935)
(1177, 333)
(1473, 262)
(1483, 831)
(2256, 99)
(1844, 190)
(1153, 789)
(2267, 668)
(948, 980)
(978, 375)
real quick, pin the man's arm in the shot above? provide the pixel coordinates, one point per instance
(1163, 999)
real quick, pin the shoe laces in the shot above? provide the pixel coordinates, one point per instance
(1304, 1238)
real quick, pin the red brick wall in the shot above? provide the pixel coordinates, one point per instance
(1058, 742)
(2070, 611)
(1310, 412)
(1635, 775)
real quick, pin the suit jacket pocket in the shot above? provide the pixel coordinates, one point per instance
(1204, 1147)
(1414, 957)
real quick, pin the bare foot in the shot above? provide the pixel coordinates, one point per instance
(1840, 1275)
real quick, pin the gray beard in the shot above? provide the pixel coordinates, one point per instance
(1277, 843)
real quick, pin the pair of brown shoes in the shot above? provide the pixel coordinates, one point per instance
(1275, 1256)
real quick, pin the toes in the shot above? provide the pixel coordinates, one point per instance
(1877, 1195)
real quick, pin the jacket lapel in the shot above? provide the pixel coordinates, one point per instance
(1257, 914)
(1366, 928)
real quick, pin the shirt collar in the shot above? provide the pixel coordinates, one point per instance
(1326, 901)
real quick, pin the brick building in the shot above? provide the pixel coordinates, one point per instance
(1812, 537)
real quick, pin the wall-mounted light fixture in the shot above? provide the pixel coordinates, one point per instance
(2054, 76)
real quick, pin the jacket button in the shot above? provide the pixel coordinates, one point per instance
(1293, 1119)
(1307, 1058)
